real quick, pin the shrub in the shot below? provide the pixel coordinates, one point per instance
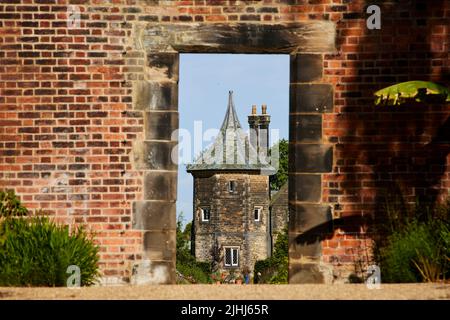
(37, 252)
(10, 205)
(194, 271)
(419, 250)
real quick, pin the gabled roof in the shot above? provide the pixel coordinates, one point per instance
(230, 150)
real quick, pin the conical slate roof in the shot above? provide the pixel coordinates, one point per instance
(230, 150)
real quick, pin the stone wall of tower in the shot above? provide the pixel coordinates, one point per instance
(232, 217)
(279, 212)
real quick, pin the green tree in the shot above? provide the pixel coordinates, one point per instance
(280, 178)
(274, 269)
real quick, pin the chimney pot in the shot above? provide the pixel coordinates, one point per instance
(253, 109)
(264, 109)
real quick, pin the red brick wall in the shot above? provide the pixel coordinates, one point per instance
(67, 122)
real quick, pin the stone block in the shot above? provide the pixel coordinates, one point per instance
(305, 187)
(311, 158)
(302, 273)
(305, 128)
(301, 245)
(160, 185)
(160, 245)
(315, 219)
(155, 155)
(160, 125)
(155, 95)
(306, 67)
(164, 66)
(154, 215)
(311, 98)
(149, 272)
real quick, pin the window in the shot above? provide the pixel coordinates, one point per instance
(257, 213)
(205, 213)
(232, 186)
(231, 257)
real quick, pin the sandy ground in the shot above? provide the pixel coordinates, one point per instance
(231, 292)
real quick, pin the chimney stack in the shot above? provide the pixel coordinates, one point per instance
(259, 132)
(263, 134)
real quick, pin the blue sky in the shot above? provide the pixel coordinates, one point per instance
(205, 80)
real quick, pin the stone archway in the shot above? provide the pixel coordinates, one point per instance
(310, 156)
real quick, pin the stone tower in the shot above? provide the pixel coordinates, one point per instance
(231, 221)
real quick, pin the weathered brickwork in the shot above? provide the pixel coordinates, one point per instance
(81, 129)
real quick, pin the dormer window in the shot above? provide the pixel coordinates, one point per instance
(205, 214)
(231, 186)
(257, 211)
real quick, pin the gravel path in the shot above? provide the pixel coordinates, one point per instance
(230, 292)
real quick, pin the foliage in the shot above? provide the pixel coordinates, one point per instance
(37, 252)
(418, 247)
(420, 91)
(274, 269)
(194, 271)
(280, 178)
(10, 205)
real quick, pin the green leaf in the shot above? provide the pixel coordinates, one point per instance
(420, 91)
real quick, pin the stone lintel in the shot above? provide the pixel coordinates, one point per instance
(305, 37)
